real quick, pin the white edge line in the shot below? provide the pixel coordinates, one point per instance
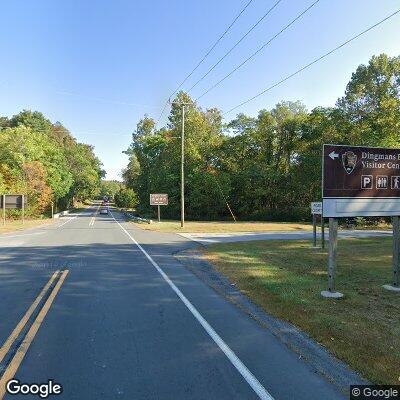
(258, 388)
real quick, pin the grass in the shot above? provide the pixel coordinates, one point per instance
(286, 277)
(224, 227)
(17, 225)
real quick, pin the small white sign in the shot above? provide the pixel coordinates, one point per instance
(316, 207)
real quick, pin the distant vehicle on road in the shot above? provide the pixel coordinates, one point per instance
(104, 211)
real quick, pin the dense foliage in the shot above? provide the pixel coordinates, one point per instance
(110, 188)
(126, 198)
(43, 161)
(265, 167)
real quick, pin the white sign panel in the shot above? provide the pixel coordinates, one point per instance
(316, 207)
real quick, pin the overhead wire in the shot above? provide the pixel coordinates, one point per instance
(313, 62)
(259, 49)
(235, 45)
(204, 57)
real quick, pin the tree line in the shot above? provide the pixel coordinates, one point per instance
(116, 192)
(265, 167)
(44, 161)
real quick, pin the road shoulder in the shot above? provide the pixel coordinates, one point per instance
(326, 365)
(17, 226)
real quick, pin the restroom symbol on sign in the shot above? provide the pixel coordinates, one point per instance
(382, 182)
(367, 181)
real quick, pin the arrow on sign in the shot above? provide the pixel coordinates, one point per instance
(333, 155)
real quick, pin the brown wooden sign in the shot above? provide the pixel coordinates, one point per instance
(158, 199)
(13, 201)
(368, 177)
(362, 172)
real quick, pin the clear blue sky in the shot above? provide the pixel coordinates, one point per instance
(99, 66)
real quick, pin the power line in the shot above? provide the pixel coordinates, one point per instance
(258, 50)
(213, 46)
(313, 62)
(235, 45)
(204, 57)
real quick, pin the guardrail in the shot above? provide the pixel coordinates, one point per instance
(136, 218)
(61, 214)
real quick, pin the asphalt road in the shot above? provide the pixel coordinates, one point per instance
(130, 322)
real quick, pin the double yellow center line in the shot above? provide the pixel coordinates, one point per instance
(59, 277)
(91, 223)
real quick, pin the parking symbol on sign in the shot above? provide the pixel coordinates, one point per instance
(367, 181)
(381, 182)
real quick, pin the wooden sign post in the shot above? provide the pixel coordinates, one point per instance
(365, 182)
(158, 199)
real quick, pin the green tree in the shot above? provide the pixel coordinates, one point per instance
(31, 119)
(64, 168)
(371, 104)
(126, 198)
(110, 188)
(267, 166)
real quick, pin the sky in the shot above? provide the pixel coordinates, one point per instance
(99, 66)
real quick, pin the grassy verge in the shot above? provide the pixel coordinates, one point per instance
(17, 225)
(286, 277)
(225, 227)
(381, 226)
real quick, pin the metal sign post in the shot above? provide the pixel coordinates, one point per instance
(158, 213)
(316, 209)
(52, 210)
(322, 232)
(314, 222)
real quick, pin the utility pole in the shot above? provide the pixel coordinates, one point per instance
(183, 168)
(183, 105)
